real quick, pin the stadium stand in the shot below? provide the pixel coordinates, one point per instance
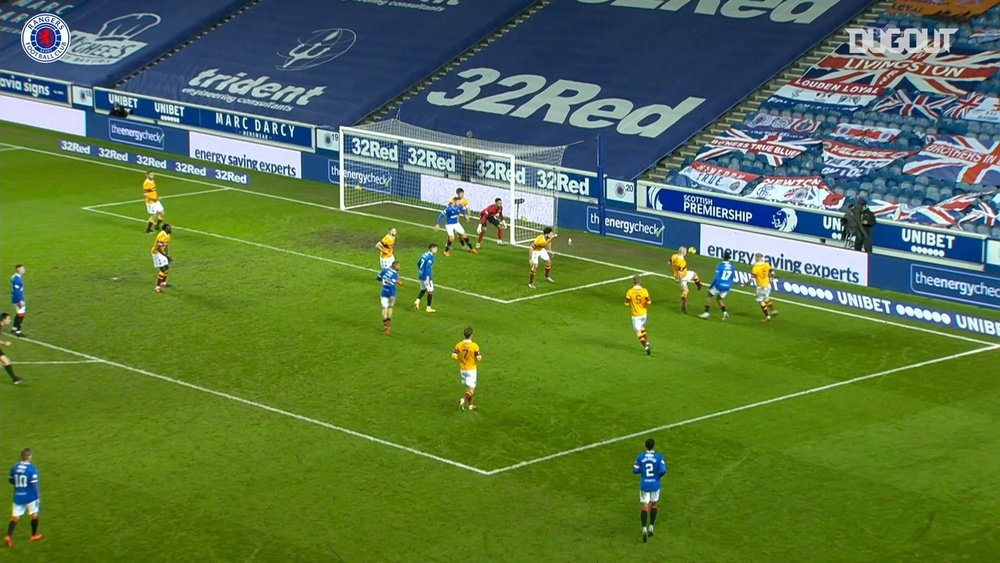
(322, 63)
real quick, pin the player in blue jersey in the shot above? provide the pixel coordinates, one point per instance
(24, 477)
(7, 366)
(425, 273)
(721, 284)
(651, 467)
(450, 215)
(17, 299)
(390, 279)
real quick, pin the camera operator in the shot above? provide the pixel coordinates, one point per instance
(865, 226)
(850, 223)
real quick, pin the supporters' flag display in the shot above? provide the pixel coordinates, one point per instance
(933, 215)
(956, 158)
(910, 104)
(955, 72)
(809, 191)
(716, 178)
(790, 127)
(975, 107)
(864, 133)
(962, 202)
(842, 160)
(948, 10)
(985, 37)
(825, 94)
(983, 213)
(774, 147)
(885, 210)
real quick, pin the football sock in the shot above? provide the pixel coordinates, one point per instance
(10, 371)
(149, 226)
(161, 279)
(684, 300)
(548, 271)
(482, 235)
(652, 513)
(34, 525)
(430, 297)
(708, 308)
(461, 242)
(645, 514)
(447, 247)
(10, 526)
(499, 234)
(763, 308)
(531, 278)
(643, 338)
(159, 221)
(421, 295)
(18, 319)
(385, 322)
(723, 307)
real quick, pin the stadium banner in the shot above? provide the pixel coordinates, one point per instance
(925, 243)
(568, 74)
(139, 134)
(955, 285)
(629, 226)
(13, 16)
(154, 163)
(34, 87)
(619, 192)
(260, 129)
(321, 62)
(111, 38)
(243, 154)
(83, 96)
(43, 115)
(890, 307)
(958, 158)
(975, 106)
(328, 140)
(785, 255)
(993, 253)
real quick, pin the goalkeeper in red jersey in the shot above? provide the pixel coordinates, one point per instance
(494, 216)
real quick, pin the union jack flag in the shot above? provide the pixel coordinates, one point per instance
(975, 106)
(910, 104)
(775, 147)
(932, 215)
(962, 201)
(955, 72)
(956, 158)
(983, 213)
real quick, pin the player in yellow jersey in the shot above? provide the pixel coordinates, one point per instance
(762, 274)
(683, 276)
(385, 248)
(541, 249)
(467, 354)
(637, 298)
(460, 199)
(153, 205)
(161, 256)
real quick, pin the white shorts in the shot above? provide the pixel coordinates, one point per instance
(763, 293)
(648, 497)
(716, 293)
(388, 302)
(155, 208)
(687, 277)
(454, 229)
(160, 260)
(18, 510)
(638, 323)
(427, 284)
(468, 378)
(21, 310)
(537, 255)
(386, 262)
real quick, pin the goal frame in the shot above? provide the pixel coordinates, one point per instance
(406, 162)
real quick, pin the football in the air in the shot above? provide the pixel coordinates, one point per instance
(692, 250)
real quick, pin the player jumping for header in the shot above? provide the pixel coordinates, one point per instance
(682, 275)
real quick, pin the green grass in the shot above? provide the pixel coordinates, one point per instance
(272, 304)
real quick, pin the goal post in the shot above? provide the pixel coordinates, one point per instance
(399, 175)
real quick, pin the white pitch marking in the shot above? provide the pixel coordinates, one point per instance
(172, 196)
(745, 407)
(567, 290)
(601, 262)
(55, 362)
(257, 405)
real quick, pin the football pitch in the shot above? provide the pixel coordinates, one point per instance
(256, 411)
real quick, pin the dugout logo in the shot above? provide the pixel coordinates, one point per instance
(45, 38)
(321, 47)
(113, 43)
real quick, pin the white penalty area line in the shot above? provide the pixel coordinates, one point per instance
(55, 362)
(247, 402)
(172, 196)
(783, 298)
(9, 148)
(742, 408)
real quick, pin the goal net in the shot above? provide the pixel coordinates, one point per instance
(410, 172)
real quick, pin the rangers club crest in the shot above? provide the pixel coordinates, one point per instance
(45, 38)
